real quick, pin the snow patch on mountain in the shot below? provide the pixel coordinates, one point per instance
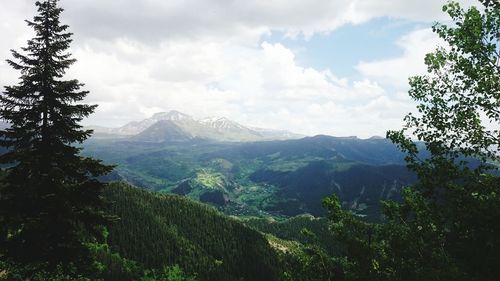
(216, 128)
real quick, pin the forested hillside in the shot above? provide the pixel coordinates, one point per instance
(158, 229)
(292, 229)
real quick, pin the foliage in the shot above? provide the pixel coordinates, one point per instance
(171, 273)
(40, 272)
(50, 202)
(117, 269)
(359, 243)
(450, 217)
(292, 229)
(159, 229)
(459, 100)
(447, 226)
(314, 263)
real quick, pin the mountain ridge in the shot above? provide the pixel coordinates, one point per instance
(216, 128)
(265, 178)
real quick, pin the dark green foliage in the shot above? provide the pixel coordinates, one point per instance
(37, 272)
(314, 264)
(356, 185)
(115, 267)
(171, 273)
(157, 230)
(447, 227)
(292, 229)
(214, 197)
(451, 215)
(50, 201)
(317, 257)
(161, 166)
(358, 243)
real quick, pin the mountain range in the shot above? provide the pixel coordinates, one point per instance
(280, 178)
(247, 171)
(175, 126)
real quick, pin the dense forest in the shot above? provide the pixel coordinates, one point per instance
(62, 217)
(158, 229)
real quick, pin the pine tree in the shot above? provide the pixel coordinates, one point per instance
(50, 199)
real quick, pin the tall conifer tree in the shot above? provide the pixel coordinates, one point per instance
(50, 199)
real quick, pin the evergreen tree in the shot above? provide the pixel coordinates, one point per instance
(50, 199)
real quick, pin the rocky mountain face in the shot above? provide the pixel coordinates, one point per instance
(137, 127)
(177, 126)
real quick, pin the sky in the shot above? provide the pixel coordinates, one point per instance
(336, 67)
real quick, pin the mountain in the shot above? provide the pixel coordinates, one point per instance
(270, 134)
(292, 229)
(267, 178)
(225, 129)
(161, 131)
(213, 128)
(136, 127)
(156, 229)
(222, 124)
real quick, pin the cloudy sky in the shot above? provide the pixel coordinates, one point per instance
(337, 67)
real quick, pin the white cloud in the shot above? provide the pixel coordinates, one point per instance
(395, 71)
(159, 19)
(205, 58)
(260, 86)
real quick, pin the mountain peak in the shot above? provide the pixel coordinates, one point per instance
(173, 124)
(163, 130)
(211, 119)
(172, 115)
(221, 123)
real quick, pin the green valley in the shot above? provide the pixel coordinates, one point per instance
(280, 178)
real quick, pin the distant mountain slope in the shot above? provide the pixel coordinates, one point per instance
(278, 178)
(270, 134)
(222, 123)
(231, 130)
(162, 131)
(291, 229)
(213, 128)
(136, 127)
(158, 229)
(367, 151)
(360, 187)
